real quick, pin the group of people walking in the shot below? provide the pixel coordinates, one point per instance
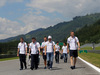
(49, 50)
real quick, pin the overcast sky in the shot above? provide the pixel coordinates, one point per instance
(21, 16)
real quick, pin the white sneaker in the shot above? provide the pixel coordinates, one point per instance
(50, 68)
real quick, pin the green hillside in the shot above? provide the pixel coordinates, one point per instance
(87, 28)
(59, 31)
(89, 34)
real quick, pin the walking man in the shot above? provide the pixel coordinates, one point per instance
(57, 48)
(22, 52)
(43, 48)
(33, 50)
(64, 51)
(50, 52)
(73, 46)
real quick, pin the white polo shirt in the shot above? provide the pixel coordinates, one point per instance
(34, 47)
(72, 41)
(57, 47)
(50, 46)
(43, 45)
(64, 48)
(22, 47)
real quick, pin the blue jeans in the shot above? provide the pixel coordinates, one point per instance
(50, 59)
(65, 57)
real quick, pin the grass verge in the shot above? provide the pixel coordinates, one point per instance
(92, 58)
(90, 48)
(86, 48)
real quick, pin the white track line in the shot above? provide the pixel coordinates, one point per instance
(91, 65)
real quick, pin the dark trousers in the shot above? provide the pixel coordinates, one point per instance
(38, 58)
(57, 57)
(34, 61)
(22, 58)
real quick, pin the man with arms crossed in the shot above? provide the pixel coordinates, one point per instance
(49, 47)
(22, 52)
(33, 49)
(72, 47)
(43, 47)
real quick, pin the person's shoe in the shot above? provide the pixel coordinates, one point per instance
(31, 68)
(50, 68)
(21, 69)
(72, 67)
(25, 67)
(45, 67)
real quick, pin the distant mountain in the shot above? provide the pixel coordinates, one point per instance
(59, 31)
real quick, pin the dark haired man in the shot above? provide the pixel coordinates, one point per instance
(57, 50)
(22, 52)
(64, 51)
(34, 48)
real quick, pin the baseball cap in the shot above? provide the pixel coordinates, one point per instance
(49, 37)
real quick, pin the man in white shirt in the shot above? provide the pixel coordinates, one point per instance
(64, 51)
(73, 46)
(50, 51)
(34, 48)
(43, 48)
(57, 48)
(22, 52)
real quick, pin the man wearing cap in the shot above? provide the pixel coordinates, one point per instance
(73, 46)
(34, 48)
(22, 52)
(50, 51)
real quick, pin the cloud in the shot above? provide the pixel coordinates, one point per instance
(33, 22)
(9, 28)
(42, 16)
(68, 8)
(3, 2)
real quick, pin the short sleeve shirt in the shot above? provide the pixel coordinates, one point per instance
(72, 41)
(43, 45)
(34, 47)
(64, 48)
(57, 47)
(50, 46)
(22, 47)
